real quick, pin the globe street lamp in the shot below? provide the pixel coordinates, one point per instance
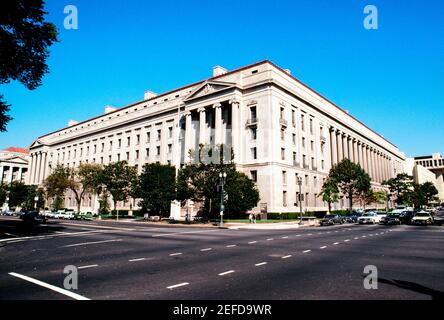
(36, 199)
(223, 179)
(299, 183)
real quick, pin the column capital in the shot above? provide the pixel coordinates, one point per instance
(234, 101)
(201, 109)
(187, 113)
(217, 105)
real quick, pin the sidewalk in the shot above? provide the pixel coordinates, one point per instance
(271, 226)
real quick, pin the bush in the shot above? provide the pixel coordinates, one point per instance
(288, 215)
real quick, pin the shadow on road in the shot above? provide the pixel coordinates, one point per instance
(434, 294)
(10, 229)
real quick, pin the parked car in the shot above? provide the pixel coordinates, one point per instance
(352, 217)
(382, 215)
(422, 218)
(32, 217)
(406, 217)
(438, 218)
(369, 217)
(393, 218)
(331, 219)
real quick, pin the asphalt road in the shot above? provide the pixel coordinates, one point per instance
(137, 261)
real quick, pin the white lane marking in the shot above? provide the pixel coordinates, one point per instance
(347, 240)
(51, 236)
(356, 238)
(270, 239)
(336, 231)
(226, 272)
(138, 259)
(178, 285)
(286, 257)
(206, 249)
(252, 242)
(364, 237)
(298, 235)
(96, 226)
(231, 245)
(49, 286)
(286, 237)
(260, 264)
(306, 251)
(175, 254)
(328, 231)
(323, 247)
(179, 233)
(336, 243)
(310, 234)
(90, 266)
(93, 242)
(10, 234)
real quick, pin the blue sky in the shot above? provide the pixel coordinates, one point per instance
(391, 78)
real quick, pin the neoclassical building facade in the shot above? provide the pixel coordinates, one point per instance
(13, 165)
(277, 127)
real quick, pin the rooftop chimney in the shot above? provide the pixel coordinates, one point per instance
(109, 109)
(72, 123)
(149, 94)
(218, 71)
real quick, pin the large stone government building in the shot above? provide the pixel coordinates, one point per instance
(277, 126)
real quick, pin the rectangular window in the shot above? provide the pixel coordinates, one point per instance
(159, 134)
(148, 136)
(170, 132)
(302, 122)
(253, 175)
(128, 141)
(158, 151)
(147, 154)
(253, 153)
(311, 126)
(284, 177)
(283, 153)
(294, 139)
(312, 145)
(293, 117)
(119, 143)
(284, 198)
(170, 148)
(282, 134)
(303, 142)
(138, 139)
(118, 157)
(253, 132)
(127, 156)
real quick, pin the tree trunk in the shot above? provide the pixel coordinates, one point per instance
(350, 201)
(329, 207)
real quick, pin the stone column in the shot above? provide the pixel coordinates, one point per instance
(355, 151)
(365, 158)
(188, 132)
(218, 124)
(340, 146)
(235, 127)
(20, 172)
(333, 147)
(1, 174)
(45, 163)
(202, 125)
(9, 177)
(37, 169)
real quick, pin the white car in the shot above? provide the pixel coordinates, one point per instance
(422, 218)
(369, 217)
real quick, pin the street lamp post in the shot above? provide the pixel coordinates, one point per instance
(299, 183)
(36, 199)
(223, 178)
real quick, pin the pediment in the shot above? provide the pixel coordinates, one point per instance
(15, 159)
(208, 88)
(37, 143)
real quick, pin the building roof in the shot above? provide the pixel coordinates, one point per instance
(223, 75)
(17, 150)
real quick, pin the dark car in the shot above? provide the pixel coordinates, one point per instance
(393, 218)
(406, 217)
(352, 217)
(331, 219)
(438, 217)
(32, 217)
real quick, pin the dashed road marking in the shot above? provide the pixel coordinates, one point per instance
(306, 251)
(206, 249)
(90, 266)
(178, 285)
(226, 272)
(175, 254)
(260, 264)
(138, 259)
(323, 247)
(270, 239)
(286, 257)
(252, 242)
(336, 243)
(88, 243)
(231, 245)
(286, 237)
(347, 240)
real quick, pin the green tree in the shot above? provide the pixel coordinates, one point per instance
(423, 194)
(18, 192)
(29, 201)
(117, 179)
(3, 193)
(351, 179)
(201, 182)
(25, 37)
(84, 179)
(329, 192)
(156, 188)
(57, 182)
(372, 196)
(401, 187)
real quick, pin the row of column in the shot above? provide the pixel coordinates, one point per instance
(374, 162)
(37, 167)
(10, 171)
(218, 133)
